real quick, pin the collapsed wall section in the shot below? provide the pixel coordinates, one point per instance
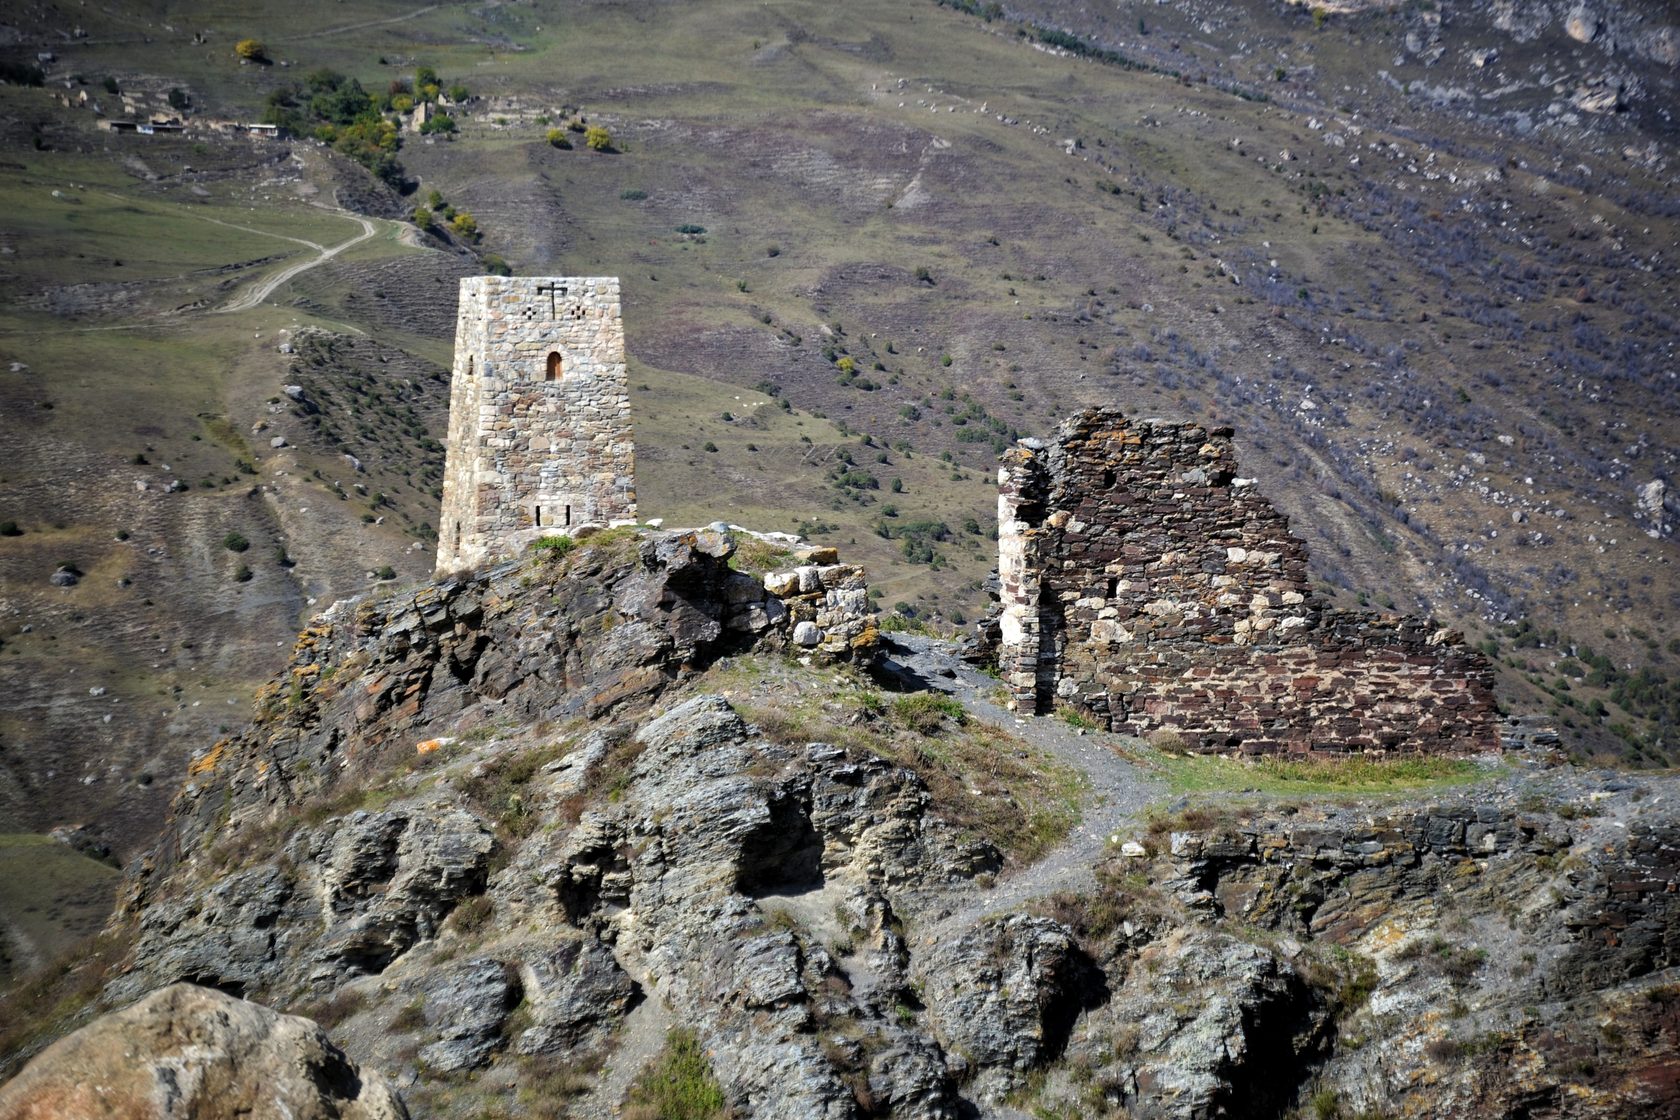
(1146, 584)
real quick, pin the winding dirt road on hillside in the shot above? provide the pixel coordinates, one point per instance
(250, 299)
(331, 32)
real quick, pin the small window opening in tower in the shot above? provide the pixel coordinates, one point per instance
(568, 516)
(538, 516)
(1107, 480)
(554, 364)
(469, 365)
(1113, 586)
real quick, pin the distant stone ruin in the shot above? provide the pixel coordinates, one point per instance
(539, 416)
(1146, 585)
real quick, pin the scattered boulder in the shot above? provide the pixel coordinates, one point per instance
(465, 1005)
(1600, 95)
(1650, 505)
(1582, 24)
(83, 840)
(186, 1051)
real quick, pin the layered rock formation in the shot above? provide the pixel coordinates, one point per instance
(1468, 957)
(505, 836)
(589, 633)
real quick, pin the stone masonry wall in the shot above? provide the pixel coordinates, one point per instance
(1147, 585)
(539, 416)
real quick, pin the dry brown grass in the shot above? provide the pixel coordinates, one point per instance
(56, 999)
(982, 779)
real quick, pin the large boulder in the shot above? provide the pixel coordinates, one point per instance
(186, 1051)
(1004, 993)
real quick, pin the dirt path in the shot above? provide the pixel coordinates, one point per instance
(641, 1039)
(266, 288)
(262, 291)
(332, 31)
(1115, 797)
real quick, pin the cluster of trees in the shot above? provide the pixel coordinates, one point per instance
(437, 211)
(595, 137)
(338, 110)
(917, 538)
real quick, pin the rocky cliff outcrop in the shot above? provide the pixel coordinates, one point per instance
(1487, 955)
(587, 633)
(505, 837)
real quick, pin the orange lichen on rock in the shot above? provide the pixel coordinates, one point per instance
(206, 763)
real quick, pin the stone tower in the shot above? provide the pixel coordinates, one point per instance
(539, 416)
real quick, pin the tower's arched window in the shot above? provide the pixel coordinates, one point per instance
(554, 364)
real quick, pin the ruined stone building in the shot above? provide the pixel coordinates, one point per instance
(539, 416)
(1147, 585)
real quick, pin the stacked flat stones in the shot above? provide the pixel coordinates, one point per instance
(1146, 584)
(828, 603)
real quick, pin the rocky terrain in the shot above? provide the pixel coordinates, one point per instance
(483, 831)
(1415, 254)
(186, 1051)
(515, 840)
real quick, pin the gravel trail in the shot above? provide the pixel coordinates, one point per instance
(1116, 793)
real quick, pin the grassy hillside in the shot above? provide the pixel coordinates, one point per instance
(863, 247)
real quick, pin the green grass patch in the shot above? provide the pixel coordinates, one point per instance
(1286, 777)
(553, 548)
(758, 558)
(678, 1085)
(926, 712)
(51, 896)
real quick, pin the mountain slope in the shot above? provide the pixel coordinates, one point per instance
(1441, 324)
